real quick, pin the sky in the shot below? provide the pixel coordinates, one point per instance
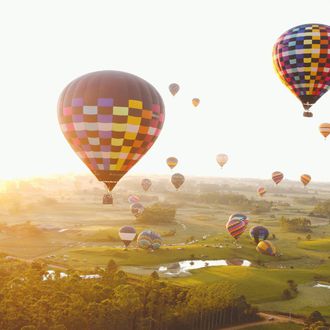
(218, 51)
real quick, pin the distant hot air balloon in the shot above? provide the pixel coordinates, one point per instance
(235, 226)
(259, 233)
(305, 179)
(110, 119)
(239, 216)
(133, 199)
(177, 180)
(301, 58)
(171, 162)
(137, 209)
(127, 234)
(146, 184)
(195, 102)
(148, 239)
(267, 248)
(277, 177)
(174, 88)
(222, 159)
(324, 129)
(261, 191)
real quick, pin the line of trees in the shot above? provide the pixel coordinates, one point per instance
(115, 301)
(158, 213)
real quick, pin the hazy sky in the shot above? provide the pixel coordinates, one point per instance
(219, 51)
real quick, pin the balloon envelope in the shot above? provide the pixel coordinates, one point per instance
(110, 119)
(195, 102)
(277, 177)
(174, 88)
(222, 159)
(240, 216)
(177, 180)
(301, 58)
(235, 227)
(305, 179)
(267, 248)
(146, 184)
(133, 199)
(259, 233)
(324, 129)
(171, 162)
(127, 234)
(149, 239)
(261, 191)
(137, 209)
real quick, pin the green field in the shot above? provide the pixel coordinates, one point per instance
(276, 326)
(76, 230)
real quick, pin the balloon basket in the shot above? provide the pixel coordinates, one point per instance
(308, 114)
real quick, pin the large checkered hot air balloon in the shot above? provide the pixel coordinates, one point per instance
(301, 57)
(110, 119)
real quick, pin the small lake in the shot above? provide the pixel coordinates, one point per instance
(182, 268)
(319, 285)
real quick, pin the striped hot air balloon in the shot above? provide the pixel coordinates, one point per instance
(127, 234)
(305, 179)
(261, 191)
(259, 233)
(174, 88)
(171, 162)
(277, 177)
(149, 239)
(267, 248)
(177, 180)
(324, 129)
(239, 216)
(235, 227)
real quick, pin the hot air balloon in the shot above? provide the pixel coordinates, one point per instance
(137, 209)
(239, 216)
(127, 234)
(171, 162)
(222, 159)
(267, 248)
(174, 88)
(305, 179)
(110, 119)
(148, 239)
(146, 184)
(259, 233)
(177, 180)
(195, 102)
(133, 199)
(301, 58)
(325, 129)
(235, 227)
(277, 177)
(261, 191)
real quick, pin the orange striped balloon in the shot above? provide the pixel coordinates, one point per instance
(261, 191)
(277, 177)
(171, 162)
(305, 179)
(324, 129)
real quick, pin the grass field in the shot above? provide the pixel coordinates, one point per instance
(82, 233)
(276, 326)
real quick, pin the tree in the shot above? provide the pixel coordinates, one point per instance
(286, 294)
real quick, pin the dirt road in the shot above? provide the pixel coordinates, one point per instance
(265, 320)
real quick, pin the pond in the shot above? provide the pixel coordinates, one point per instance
(182, 268)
